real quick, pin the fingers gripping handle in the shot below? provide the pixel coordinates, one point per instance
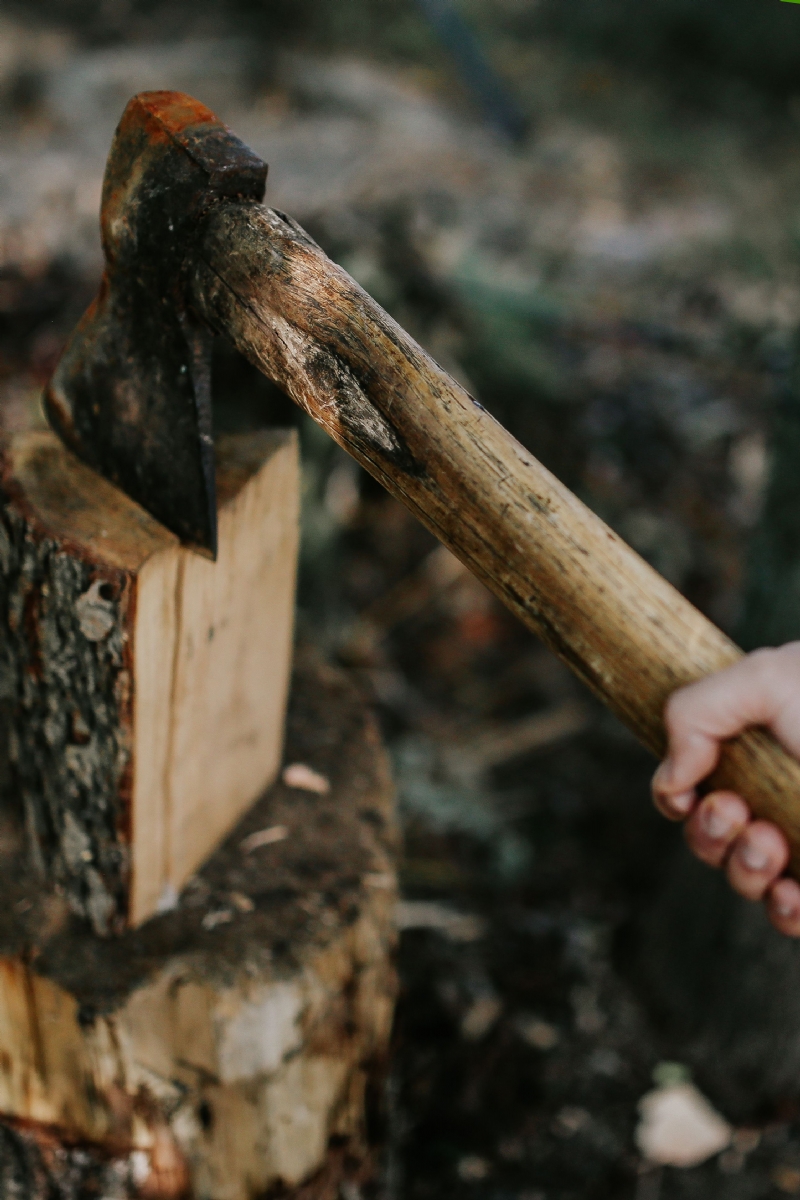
(758, 768)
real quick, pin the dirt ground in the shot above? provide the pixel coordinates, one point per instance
(621, 290)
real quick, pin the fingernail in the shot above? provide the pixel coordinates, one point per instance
(753, 858)
(682, 802)
(716, 824)
(785, 908)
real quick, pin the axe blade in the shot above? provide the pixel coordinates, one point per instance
(131, 394)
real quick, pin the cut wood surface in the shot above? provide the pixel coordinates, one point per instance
(622, 628)
(238, 1043)
(143, 686)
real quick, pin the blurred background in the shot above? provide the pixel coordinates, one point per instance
(589, 213)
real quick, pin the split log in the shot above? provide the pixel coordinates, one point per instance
(236, 1046)
(143, 687)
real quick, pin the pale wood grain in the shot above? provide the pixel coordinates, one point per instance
(618, 624)
(233, 656)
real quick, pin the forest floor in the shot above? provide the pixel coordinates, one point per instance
(621, 290)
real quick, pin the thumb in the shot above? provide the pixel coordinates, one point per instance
(701, 716)
(691, 757)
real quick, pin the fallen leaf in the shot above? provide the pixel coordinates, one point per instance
(299, 775)
(263, 837)
(679, 1127)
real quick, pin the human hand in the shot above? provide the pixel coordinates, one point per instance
(762, 689)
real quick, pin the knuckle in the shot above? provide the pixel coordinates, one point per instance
(675, 710)
(761, 666)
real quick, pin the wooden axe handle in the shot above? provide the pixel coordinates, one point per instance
(624, 630)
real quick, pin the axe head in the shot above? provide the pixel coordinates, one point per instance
(131, 394)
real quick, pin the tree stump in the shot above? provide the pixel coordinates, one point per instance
(234, 1047)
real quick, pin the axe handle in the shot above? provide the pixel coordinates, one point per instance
(627, 633)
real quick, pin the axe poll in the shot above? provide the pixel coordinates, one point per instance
(190, 251)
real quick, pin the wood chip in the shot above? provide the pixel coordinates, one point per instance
(299, 775)
(263, 837)
(679, 1127)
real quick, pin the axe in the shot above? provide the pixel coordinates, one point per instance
(190, 251)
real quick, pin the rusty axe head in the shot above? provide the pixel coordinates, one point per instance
(131, 394)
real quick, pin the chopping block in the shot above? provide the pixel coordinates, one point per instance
(234, 1047)
(142, 686)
